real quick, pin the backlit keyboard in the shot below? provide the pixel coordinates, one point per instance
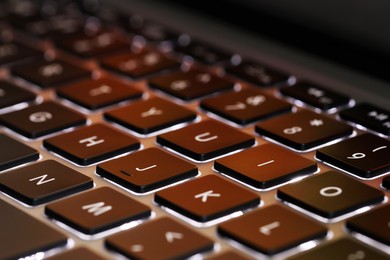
(123, 138)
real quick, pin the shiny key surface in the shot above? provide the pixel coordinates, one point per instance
(97, 210)
(272, 229)
(369, 116)
(374, 224)
(246, 106)
(205, 140)
(11, 94)
(303, 130)
(265, 166)
(42, 119)
(23, 235)
(91, 144)
(49, 73)
(344, 248)
(93, 94)
(190, 84)
(146, 170)
(43, 182)
(163, 238)
(315, 96)
(330, 194)
(16, 152)
(366, 155)
(257, 73)
(12, 51)
(207, 198)
(151, 115)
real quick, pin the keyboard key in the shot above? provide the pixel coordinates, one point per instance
(43, 182)
(207, 198)
(97, 210)
(303, 130)
(246, 106)
(139, 64)
(330, 194)
(344, 248)
(386, 182)
(49, 73)
(148, 116)
(205, 140)
(200, 51)
(272, 229)
(88, 46)
(316, 96)
(191, 84)
(16, 153)
(80, 253)
(373, 223)
(42, 119)
(265, 166)
(11, 94)
(258, 74)
(91, 144)
(22, 235)
(366, 155)
(12, 51)
(95, 94)
(162, 238)
(146, 170)
(369, 116)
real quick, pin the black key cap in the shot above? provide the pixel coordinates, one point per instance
(11, 51)
(369, 116)
(330, 194)
(205, 140)
(373, 223)
(49, 73)
(246, 106)
(146, 170)
(386, 182)
(22, 235)
(191, 84)
(42, 182)
(16, 153)
(94, 94)
(39, 120)
(80, 253)
(258, 74)
(207, 198)
(162, 238)
(138, 64)
(148, 116)
(203, 52)
(91, 144)
(265, 166)
(303, 130)
(272, 229)
(316, 96)
(11, 94)
(87, 46)
(344, 248)
(97, 210)
(366, 155)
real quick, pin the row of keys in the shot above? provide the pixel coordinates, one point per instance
(268, 230)
(201, 141)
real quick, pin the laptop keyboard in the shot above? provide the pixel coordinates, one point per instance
(122, 138)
